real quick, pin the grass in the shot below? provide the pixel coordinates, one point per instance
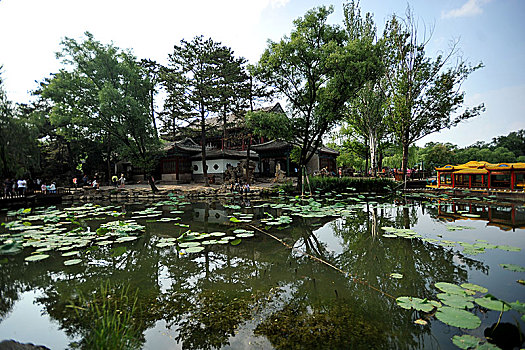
(343, 184)
(109, 316)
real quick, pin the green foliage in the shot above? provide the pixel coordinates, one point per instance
(103, 93)
(270, 125)
(317, 68)
(18, 146)
(424, 93)
(204, 79)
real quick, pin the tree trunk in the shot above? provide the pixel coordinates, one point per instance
(153, 115)
(366, 158)
(373, 152)
(203, 147)
(151, 182)
(404, 163)
(224, 128)
(109, 159)
(248, 159)
(174, 128)
(249, 139)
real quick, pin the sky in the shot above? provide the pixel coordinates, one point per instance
(489, 31)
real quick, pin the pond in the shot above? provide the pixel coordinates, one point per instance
(330, 272)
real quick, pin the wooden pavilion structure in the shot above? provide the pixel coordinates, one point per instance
(482, 175)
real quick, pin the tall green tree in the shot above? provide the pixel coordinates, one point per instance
(103, 93)
(202, 80)
(318, 69)
(19, 154)
(425, 92)
(514, 142)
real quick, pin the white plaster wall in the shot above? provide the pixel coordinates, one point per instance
(222, 163)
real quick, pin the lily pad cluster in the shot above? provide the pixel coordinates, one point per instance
(468, 248)
(456, 305)
(51, 230)
(195, 242)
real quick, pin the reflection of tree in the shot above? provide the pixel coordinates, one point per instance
(207, 297)
(330, 326)
(372, 259)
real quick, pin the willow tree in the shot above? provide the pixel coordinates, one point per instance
(425, 92)
(317, 69)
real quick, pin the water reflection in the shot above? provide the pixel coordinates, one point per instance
(259, 288)
(507, 216)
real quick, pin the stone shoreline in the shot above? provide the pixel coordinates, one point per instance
(143, 191)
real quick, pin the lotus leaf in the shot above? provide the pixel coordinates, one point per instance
(126, 238)
(194, 249)
(72, 262)
(513, 267)
(210, 242)
(458, 318)
(492, 304)
(520, 307)
(244, 235)
(217, 234)
(36, 257)
(189, 244)
(236, 241)
(509, 248)
(456, 300)
(449, 288)
(414, 303)
(71, 253)
(466, 341)
(474, 287)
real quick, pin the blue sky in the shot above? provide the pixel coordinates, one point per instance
(489, 31)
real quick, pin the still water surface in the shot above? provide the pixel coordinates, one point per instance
(260, 294)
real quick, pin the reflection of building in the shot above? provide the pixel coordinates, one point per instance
(214, 216)
(483, 175)
(506, 217)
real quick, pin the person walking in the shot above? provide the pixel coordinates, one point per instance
(122, 180)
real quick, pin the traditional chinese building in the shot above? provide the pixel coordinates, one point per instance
(482, 175)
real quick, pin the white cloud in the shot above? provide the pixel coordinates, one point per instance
(469, 9)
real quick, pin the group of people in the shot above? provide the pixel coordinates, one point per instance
(22, 187)
(240, 187)
(95, 183)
